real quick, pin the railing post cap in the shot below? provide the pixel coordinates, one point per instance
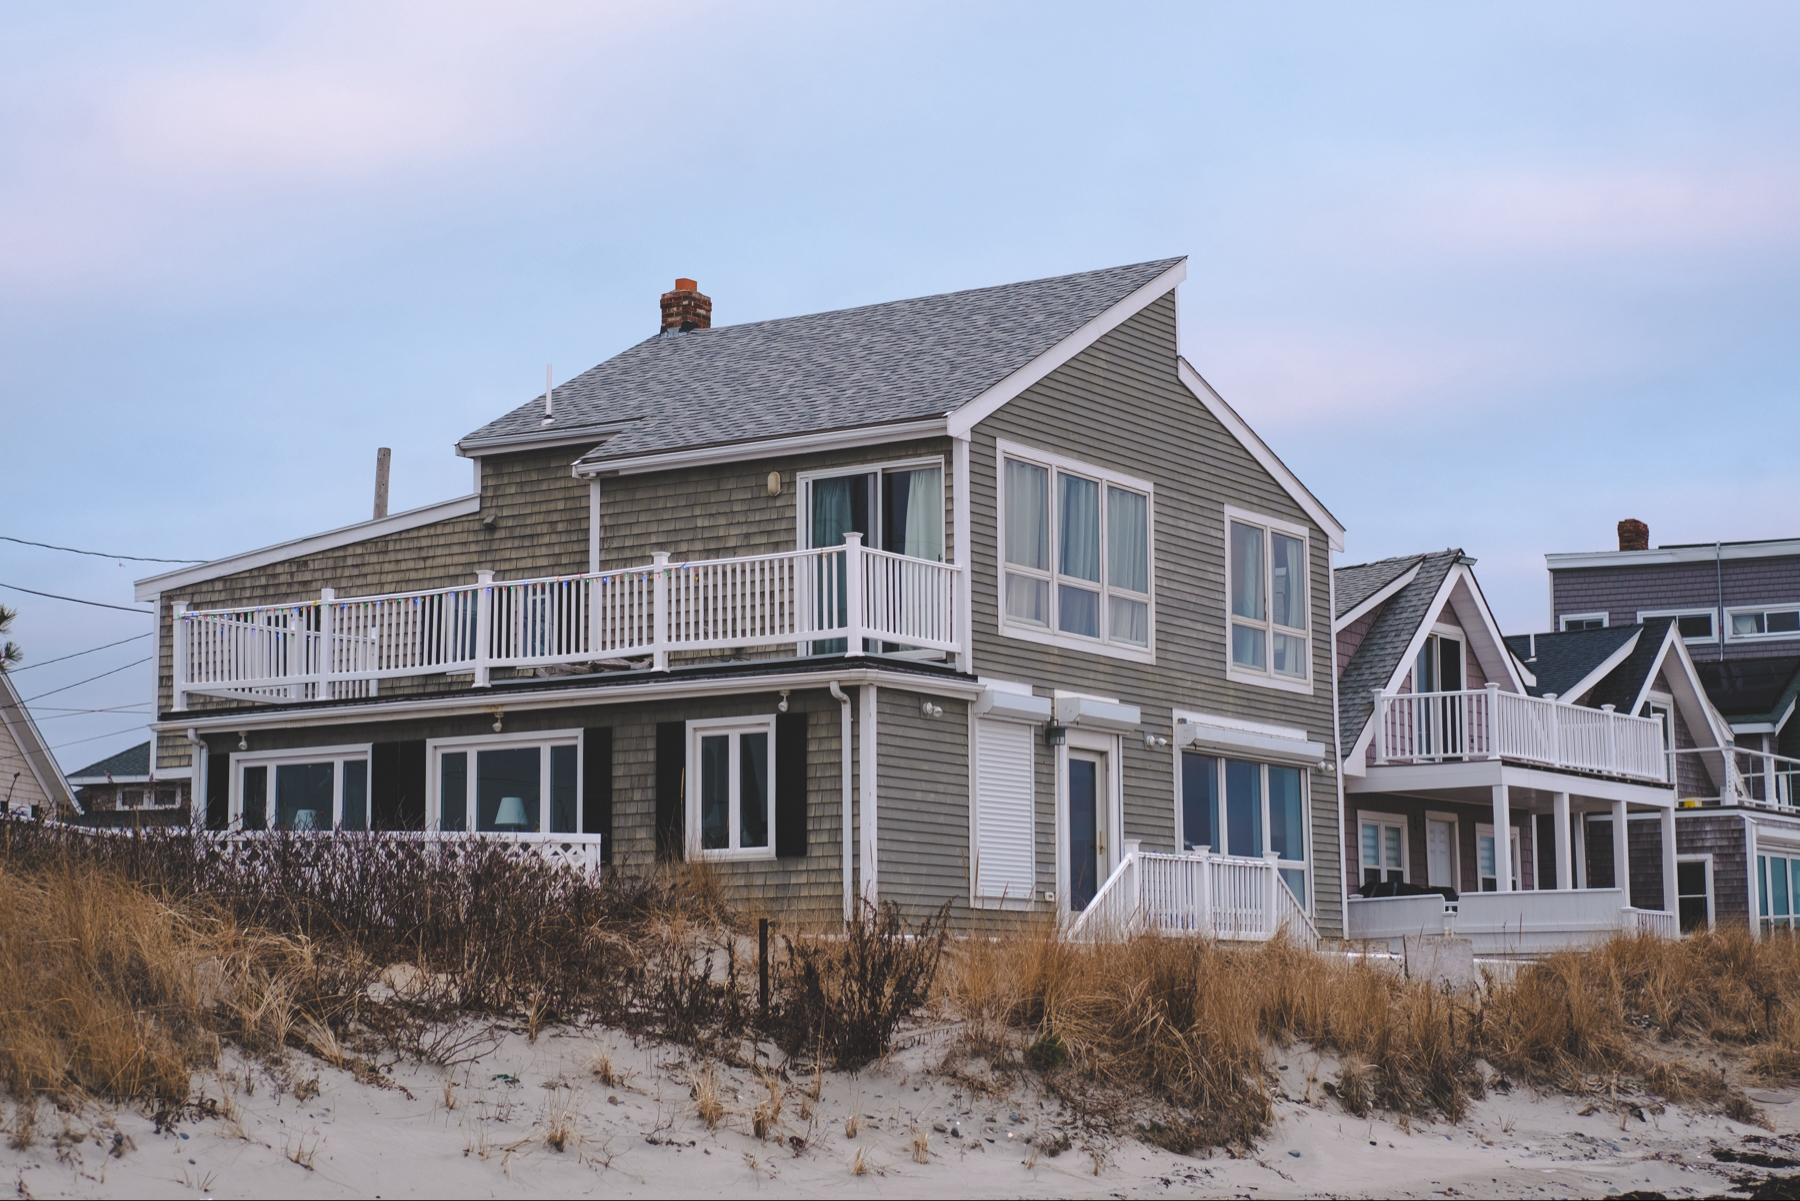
(659, 556)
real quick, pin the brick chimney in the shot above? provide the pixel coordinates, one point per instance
(1633, 534)
(685, 308)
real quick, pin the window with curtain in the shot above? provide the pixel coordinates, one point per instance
(1268, 598)
(1076, 553)
(507, 784)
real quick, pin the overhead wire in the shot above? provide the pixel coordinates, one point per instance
(78, 683)
(79, 601)
(13, 671)
(97, 554)
(77, 742)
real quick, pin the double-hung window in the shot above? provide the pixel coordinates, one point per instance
(507, 784)
(731, 788)
(1076, 545)
(1267, 595)
(320, 788)
(1236, 807)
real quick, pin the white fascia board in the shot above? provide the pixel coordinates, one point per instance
(1387, 590)
(967, 416)
(1092, 714)
(1696, 701)
(486, 701)
(764, 448)
(1229, 735)
(1753, 727)
(1259, 450)
(1463, 572)
(362, 531)
(540, 439)
(1014, 706)
(84, 781)
(1773, 549)
(1585, 684)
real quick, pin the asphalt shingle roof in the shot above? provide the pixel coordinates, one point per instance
(1385, 644)
(1751, 689)
(1625, 683)
(1564, 660)
(133, 761)
(1354, 585)
(873, 365)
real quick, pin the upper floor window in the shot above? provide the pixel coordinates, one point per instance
(1695, 625)
(896, 507)
(1583, 621)
(1266, 589)
(1782, 622)
(1076, 546)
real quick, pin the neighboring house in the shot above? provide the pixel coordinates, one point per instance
(1499, 772)
(1736, 606)
(120, 790)
(982, 597)
(30, 782)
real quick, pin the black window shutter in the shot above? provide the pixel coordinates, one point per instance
(218, 790)
(790, 785)
(671, 772)
(596, 788)
(397, 785)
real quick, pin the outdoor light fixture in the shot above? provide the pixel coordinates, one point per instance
(782, 707)
(512, 814)
(498, 715)
(243, 740)
(1152, 741)
(930, 710)
(1055, 735)
(774, 483)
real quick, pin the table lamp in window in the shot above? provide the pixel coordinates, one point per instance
(306, 819)
(512, 814)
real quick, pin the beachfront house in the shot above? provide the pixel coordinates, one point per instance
(984, 597)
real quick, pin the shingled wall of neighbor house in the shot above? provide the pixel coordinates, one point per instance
(1414, 811)
(1624, 591)
(1197, 467)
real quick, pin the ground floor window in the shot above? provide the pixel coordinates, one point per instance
(1382, 847)
(731, 787)
(1777, 885)
(1485, 858)
(1693, 892)
(317, 789)
(510, 784)
(1237, 807)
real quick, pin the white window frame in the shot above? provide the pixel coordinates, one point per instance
(1250, 675)
(1712, 616)
(1375, 818)
(1303, 866)
(1782, 636)
(712, 726)
(1563, 620)
(1707, 859)
(337, 756)
(1766, 922)
(804, 480)
(1050, 635)
(435, 748)
(1486, 830)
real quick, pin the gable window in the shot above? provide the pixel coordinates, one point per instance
(1267, 595)
(1242, 809)
(1582, 621)
(507, 784)
(1694, 625)
(731, 788)
(1075, 544)
(322, 788)
(1783, 622)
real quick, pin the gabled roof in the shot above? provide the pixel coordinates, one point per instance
(1752, 690)
(1383, 649)
(1357, 584)
(32, 775)
(131, 762)
(875, 365)
(1562, 661)
(1632, 678)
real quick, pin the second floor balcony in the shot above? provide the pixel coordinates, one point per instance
(1486, 723)
(846, 599)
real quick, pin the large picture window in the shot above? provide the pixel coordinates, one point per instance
(1244, 809)
(508, 784)
(1076, 545)
(731, 788)
(322, 788)
(1268, 600)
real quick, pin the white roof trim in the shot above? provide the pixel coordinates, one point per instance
(150, 586)
(1259, 450)
(541, 439)
(1383, 593)
(1673, 554)
(971, 413)
(102, 779)
(1693, 691)
(737, 452)
(1585, 684)
(22, 728)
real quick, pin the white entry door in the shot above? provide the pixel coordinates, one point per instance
(1440, 853)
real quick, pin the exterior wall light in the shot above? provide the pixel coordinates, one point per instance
(929, 709)
(1055, 735)
(243, 740)
(1153, 741)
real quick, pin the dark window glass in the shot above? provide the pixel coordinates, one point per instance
(256, 798)
(1243, 808)
(1199, 802)
(564, 816)
(715, 792)
(1785, 622)
(356, 795)
(753, 790)
(453, 791)
(303, 796)
(502, 777)
(1287, 824)
(1696, 625)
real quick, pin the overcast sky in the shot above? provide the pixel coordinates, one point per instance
(1486, 275)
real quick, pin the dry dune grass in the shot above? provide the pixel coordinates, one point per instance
(1191, 1021)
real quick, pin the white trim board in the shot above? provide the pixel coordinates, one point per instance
(312, 544)
(1259, 450)
(763, 448)
(542, 439)
(1778, 548)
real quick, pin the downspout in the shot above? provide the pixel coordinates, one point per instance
(843, 701)
(1719, 575)
(1337, 757)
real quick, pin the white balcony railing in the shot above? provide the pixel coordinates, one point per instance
(333, 648)
(1529, 922)
(1758, 779)
(1213, 896)
(1435, 727)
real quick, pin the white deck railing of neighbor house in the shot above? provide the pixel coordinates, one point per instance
(1213, 896)
(1528, 922)
(1435, 727)
(1758, 779)
(333, 647)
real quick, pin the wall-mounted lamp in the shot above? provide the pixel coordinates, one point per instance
(782, 707)
(1153, 741)
(1055, 735)
(243, 740)
(1325, 766)
(499, 715)
(774, 483)
(930, 710)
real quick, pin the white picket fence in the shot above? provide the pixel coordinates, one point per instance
(1433, 727)
(1206, 895)
(333, 648)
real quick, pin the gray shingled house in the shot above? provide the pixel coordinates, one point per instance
(1454, 734)
(984, 597)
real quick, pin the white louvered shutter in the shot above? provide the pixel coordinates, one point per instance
(1005, 853)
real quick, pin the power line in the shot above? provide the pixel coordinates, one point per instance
(127, 730)
(78, 683)
(90, 650)
(86, 712)
(78, 600)
(97, 554)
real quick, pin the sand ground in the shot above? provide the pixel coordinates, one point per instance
(488, 1128)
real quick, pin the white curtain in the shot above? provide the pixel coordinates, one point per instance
(923, 528)
(1079, 529)
(1127, 540)
(1027, 515)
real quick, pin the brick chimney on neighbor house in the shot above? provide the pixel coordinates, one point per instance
(1633, 534)
(685, 308)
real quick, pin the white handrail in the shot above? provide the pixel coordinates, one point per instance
(1737, 776)
(1434, 727)
(1212, 896)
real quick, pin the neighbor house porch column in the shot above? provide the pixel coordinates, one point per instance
(1621, 851)
(1668, 860)
(1502, 839)
(1564, 859)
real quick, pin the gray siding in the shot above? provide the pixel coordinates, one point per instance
(1623, 592)
(922, 816)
